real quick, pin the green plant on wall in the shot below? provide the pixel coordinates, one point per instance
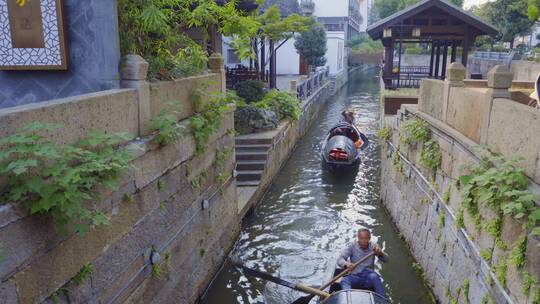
(209, 121)
(2, 254)
(503, 188)
(61, 180)
(165, 124)
(385, 133)
(83, 274)
(417, 131)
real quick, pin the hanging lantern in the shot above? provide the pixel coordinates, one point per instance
(387, 33)
(416, 32)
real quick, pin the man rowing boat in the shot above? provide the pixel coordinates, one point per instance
(363, 276)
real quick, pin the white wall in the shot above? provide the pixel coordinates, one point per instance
(331, 8)
(288, 60)
(364, 11)
(335, 56)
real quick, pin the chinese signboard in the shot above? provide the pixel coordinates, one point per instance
(32, 35)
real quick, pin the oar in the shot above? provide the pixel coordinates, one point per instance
(269, 277)
(307, 299)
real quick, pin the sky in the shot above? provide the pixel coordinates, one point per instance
(469, 3)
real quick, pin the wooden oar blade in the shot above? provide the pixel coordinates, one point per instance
(262, 275)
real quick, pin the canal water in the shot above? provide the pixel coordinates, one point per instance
(308, 215)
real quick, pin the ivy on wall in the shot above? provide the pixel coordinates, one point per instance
(61, 180)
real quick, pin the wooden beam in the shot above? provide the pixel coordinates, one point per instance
(431, 58)
(437, 61)
(466, 46)
(453, 55)
(445, 58)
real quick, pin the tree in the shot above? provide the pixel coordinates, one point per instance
(311, 45)
(278, 30)
(533, 9)
(509, 16)
(389, 7)
(286, 7)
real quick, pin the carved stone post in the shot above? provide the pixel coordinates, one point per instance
(134, 71)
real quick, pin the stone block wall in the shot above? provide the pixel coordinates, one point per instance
(168, 234)
(461, 262)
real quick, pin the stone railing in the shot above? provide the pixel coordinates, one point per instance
(485, 115)
(309, 86)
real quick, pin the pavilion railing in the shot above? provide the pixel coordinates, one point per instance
(242, 73)
(314, 82)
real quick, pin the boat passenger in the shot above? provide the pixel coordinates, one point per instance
(363, 276)
(348, 116)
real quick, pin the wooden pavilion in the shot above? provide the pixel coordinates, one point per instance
(438, 23)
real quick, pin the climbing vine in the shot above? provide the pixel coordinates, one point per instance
(503, 188)
(207, 122)
(385, 133)
(165, 125)
(417, 131)
(61, 180)
(85, 271)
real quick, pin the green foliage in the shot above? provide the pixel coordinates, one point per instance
(276, 28)
(129, 197)
(485, 299)
(533, 9)
(396, 162)
(430, 155)
(286, 7)
(209, 121)
(165, 125)
(385, 133)
(536, 296)
(486, 254)
(466, 287)
(2, 254)
(416, 130)
(284, 104)
(223, 177)
(61, 180)
(85, 271)
(154, 29)
(519, 253)
(500, 271)
(311, 44)
(221, 156)
(528, 282)
(363, 44)
(460, 220)
(503, 188)
(442, 219)
(250, 90)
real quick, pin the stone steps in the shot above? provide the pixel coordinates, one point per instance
(251, 158)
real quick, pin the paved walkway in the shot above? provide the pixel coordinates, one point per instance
(283, 82)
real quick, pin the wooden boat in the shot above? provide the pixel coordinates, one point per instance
(340, 151)
(355, 296)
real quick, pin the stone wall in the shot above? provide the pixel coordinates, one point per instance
(426, 207)
(161, 221)
(524, 70)
(93, 55)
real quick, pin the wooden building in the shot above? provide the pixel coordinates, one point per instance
(440, 24)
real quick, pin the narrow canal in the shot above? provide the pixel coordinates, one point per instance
(307, 216)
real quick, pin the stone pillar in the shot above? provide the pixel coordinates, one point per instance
(294, 87)
(216, 65)
(499, 80)
(134, 71)
(455, 74)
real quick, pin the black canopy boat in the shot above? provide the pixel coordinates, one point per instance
(355, 296)
(342, 146)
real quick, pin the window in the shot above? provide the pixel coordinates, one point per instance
(232, 57)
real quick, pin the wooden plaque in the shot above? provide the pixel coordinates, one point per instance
(32, 35)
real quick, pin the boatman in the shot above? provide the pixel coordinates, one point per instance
(364, 275)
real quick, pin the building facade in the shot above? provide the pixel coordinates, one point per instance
(342, 19)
